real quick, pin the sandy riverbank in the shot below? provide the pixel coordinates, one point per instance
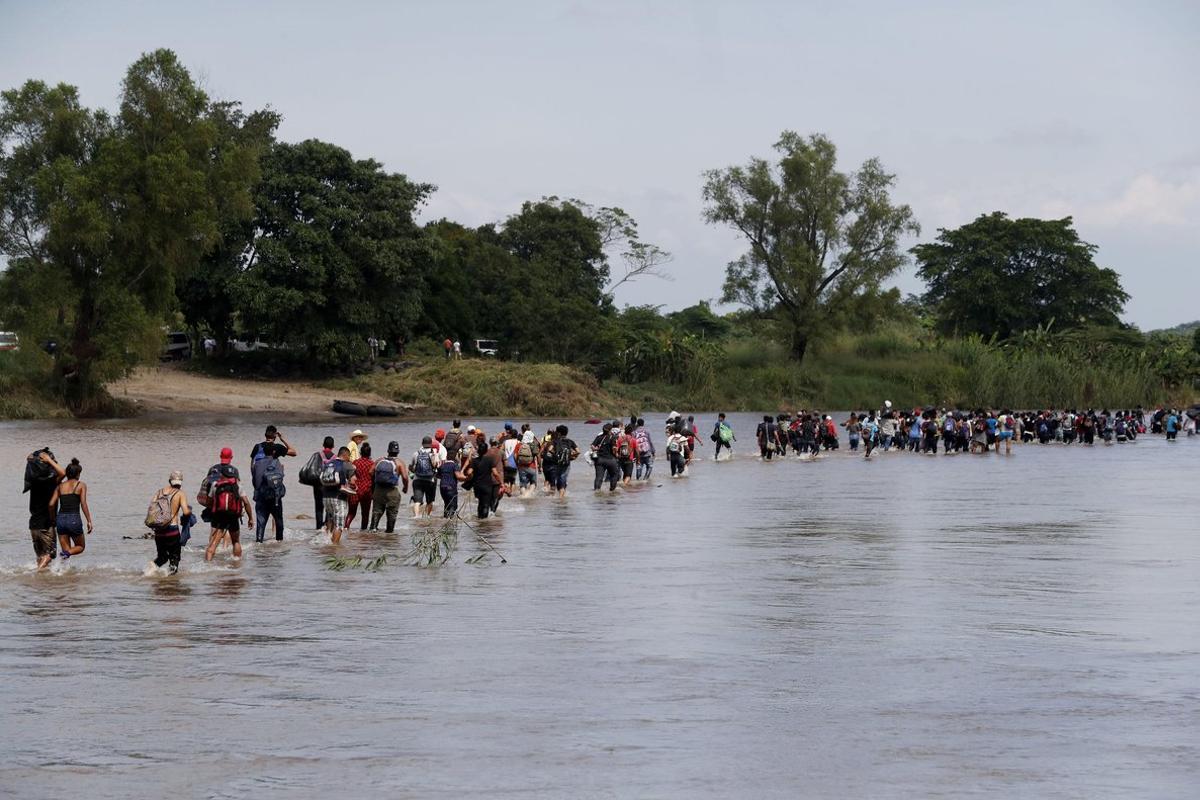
(171, 389)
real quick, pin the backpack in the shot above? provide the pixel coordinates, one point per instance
(271, 488)
(331, 474)
(423, 465)
(158, 515)
(310, 473)
(226, 494)
(524, 454)
(950, 425)
(725, 433)
(386, 473)
(643, 440)
(673, 445)
(562, 454)
(453, 444)
(624, 449)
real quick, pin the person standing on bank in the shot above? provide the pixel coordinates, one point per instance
(42, 474)
(67, 503)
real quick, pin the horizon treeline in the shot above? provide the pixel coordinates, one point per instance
(179, 209)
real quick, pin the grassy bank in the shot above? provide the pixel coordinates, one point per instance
(846, 372)
(24, 389)
(855, 372)
(489, 388)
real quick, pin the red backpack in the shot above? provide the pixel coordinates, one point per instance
(226, 496)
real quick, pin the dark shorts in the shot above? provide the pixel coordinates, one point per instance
(226, 521)
(424, 491)
(510, 474)
(43, 542)
(69, 524)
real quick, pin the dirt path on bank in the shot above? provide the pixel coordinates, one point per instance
(169, 388)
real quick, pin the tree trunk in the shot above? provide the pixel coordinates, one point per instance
(799, 346)
(76, 367)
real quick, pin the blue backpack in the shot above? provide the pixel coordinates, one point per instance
(386, 474)
(271, 488)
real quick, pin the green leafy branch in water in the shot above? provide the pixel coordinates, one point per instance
(342, 563)
(432, 547)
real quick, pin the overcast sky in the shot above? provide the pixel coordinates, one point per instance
(1089, 109)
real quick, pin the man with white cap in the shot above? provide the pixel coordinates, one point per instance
(168, 505)
(356, 438)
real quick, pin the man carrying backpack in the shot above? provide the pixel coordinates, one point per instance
(310, 475)
(221, 493)
(266, 476)
(390, 475)
(607, 467)
(626, 451)
(722, 436)
(269, 446)
(424, 467)
(645, 451)
(337, 484)
(526, 459)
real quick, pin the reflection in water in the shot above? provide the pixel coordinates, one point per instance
(908, 626)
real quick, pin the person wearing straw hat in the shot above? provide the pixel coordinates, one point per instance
(356, 439)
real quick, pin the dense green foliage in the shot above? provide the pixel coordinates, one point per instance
(998, 276)
(818, 237)
(177, 210)
(104, 214)
(337, 256)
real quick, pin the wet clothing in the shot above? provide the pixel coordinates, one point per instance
(168, 547)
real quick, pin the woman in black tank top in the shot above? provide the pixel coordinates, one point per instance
(69, 508)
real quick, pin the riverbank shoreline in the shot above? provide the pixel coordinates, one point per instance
(438, 389)
(169, 390)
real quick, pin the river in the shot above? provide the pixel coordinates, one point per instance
(910, 626)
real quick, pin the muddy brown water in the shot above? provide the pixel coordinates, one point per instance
(907, 627)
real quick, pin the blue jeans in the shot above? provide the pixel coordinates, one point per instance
(264, 509)
(645, 465)
(526, 476)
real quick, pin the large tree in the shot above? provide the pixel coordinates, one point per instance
(998, 276)
(337, 257)
(560, 289)
(207, 293)
(817, 236)
(111, 211)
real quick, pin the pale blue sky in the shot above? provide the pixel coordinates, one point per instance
(1033, 108)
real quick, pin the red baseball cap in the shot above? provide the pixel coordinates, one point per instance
(440, 434)
(226, 455)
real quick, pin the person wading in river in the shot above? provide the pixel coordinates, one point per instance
(167, 508)
(337, 484)
(42, 474)
(221, 492)
(69, 501)
(390, 475)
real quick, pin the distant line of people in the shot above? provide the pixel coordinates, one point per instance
(348, 483)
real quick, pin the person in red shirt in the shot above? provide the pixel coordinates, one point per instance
(364, 471)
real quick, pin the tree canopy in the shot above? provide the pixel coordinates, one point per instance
(998, 276)
(337, 256)
(817, 236)
(112, 210)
